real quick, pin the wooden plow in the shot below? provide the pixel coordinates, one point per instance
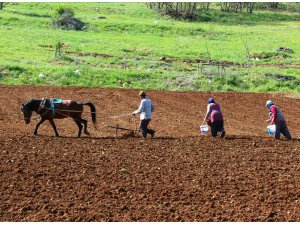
(130, 132)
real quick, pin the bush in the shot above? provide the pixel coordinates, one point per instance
(204, 17)
(270, 55)
(64, 19)
(60, 11)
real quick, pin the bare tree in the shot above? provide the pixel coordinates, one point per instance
(149, 4)
(237, 7)
(1, 5)
(207, 36)
(207, 6)
(191, 10)
(185, 10)
(249, 6)
(272, 5)
(245, 42)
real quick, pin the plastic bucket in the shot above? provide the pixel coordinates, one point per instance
(204, 129)
(271, 129)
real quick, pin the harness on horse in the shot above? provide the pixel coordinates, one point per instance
(52, 102)
(42, 105)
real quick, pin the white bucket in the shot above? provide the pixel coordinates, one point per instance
(271, 129)
(204, 129)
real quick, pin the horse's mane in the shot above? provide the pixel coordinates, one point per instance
(31, 103)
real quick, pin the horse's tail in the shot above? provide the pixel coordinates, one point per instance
(93, 112)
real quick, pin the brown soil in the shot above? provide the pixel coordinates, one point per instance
(181, 175)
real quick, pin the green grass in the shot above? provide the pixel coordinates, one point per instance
(123, 50)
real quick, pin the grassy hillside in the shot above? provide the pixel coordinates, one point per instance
(123, 43)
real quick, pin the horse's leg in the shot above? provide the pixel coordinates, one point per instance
(85, 126)
(79, 126)
(54, 127)
(37, 125)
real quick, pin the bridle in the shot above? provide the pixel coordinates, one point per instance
(25, 110)
(42, 106)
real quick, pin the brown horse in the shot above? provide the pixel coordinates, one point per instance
(67, 108)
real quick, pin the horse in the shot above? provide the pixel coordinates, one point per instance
(50, 111)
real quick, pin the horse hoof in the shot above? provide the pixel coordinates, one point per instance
(87, 133)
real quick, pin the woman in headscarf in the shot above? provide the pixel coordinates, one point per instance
(214, 118)
(277, 118)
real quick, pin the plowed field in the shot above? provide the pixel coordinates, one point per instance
(181, 175)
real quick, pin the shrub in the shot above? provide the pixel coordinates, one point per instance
(64, 19)
(64, 11)
(270, 55)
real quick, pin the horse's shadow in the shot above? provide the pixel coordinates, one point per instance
(103, 138)
(238, 138)
(74, 137)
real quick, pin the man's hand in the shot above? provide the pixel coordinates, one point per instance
(268, 120)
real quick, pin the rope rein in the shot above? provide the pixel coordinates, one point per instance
(58, 111)
(66, 110)
(137, 130)
(103, 117)
(38, 116)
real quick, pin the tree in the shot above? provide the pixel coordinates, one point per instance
(245, 42)
(1, 5)
(249, 6)
(237, 7)
(272, 5)
(178, 10)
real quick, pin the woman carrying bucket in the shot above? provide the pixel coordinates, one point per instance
(276, 117)
(214, 118)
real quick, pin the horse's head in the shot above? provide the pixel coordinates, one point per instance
(27, 113)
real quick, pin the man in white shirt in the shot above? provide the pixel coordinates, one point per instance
(145, 110)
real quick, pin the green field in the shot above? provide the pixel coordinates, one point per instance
(123, 43)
